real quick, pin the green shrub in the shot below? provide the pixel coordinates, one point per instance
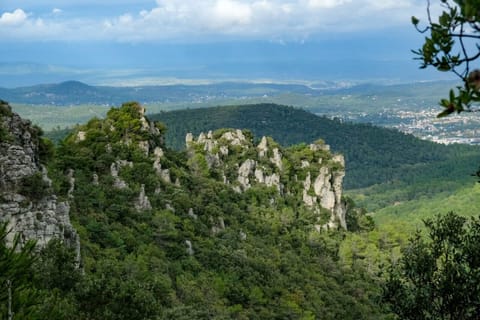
(4, 134)
(34, 187)
(5, 109)
(46, 150)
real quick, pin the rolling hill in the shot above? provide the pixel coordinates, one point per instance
(75, 93)
(376, 157)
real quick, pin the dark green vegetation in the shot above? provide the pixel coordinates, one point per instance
(383, 166)
(36, 285)
(16, 277)
(202, 251)
(382, 159)
(438, 276)
(5, 110)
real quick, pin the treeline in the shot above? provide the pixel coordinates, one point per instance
(373, 155)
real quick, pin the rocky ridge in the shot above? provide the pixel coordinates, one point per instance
(309, 172)
(27, 201)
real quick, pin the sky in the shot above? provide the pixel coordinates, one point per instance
(127, 41)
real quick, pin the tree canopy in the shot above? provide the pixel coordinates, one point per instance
(438, 276)
(16, 297)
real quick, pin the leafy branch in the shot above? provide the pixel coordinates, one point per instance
(448, 47)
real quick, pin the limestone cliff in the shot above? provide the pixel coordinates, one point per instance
(27, 202)
(311, 173)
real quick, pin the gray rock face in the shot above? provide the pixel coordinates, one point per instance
(40, 219)
(264, 163)
(15, 164)
(326, 191)
(308, 199)
(163, 173)
(188, 139)
(244, 171)
(95, 179)
(19, 152)
(236, 138)
(277, 158)
(71, 182)
(144, 146)
(262, 147)
(190, 251)
(217, 226)
(81, 136)
(117, 181)
(269, 180)
(142, 202)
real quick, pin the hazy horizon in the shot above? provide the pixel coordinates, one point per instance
(149, 42)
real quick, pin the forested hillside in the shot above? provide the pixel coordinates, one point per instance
(373, 155)
(230, 229)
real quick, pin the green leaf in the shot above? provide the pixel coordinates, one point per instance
(415, 20)
(444, 19)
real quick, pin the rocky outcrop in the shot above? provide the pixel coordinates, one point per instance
(27, 202)
(142, 203)
(115, 167)
(123, 148)
(245, 170)
(233, 154)
(326, 190)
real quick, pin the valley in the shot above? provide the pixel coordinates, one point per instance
(410, 108)
(236, 226)
(240, 160)
(257, 196)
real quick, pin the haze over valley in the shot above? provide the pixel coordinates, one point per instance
(408, 107)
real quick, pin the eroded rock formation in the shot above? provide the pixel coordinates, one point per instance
(27, 202)
(243, 165)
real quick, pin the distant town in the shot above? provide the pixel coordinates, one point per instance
(457, 128)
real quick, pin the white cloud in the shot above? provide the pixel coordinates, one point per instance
(195, 19)
(14, 18)
(327, 3)
(230, 13)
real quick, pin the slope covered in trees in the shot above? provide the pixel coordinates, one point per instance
(165, 236)
(373, 155)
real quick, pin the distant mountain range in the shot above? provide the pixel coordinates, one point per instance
(76, 93)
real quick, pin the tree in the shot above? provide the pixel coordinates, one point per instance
(17, 298)
(452, 46)
(438, 277)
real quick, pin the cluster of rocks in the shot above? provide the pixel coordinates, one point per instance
(42, 217)
(46, 217)
(149, 148)
(322, 187)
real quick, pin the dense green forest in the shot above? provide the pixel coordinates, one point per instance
(383, 166)
(386, 160)
(200, 249)
(171, 234)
